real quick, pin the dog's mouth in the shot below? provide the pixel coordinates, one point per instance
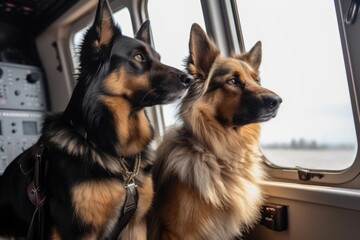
(165, 88)
(173, 96)
(259, 117)
(266, 117)
(175, 90)
(265, 114)
(154, 97)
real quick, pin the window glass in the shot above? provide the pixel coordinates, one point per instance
(303, 63)
(171, 33)
(121, 17)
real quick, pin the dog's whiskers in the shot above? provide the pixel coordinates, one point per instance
(143, 98)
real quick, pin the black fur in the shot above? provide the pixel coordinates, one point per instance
(75, 158)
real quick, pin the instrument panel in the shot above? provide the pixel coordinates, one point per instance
(23, 105)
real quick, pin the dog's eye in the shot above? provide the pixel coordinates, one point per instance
(234, 81)
(258, 80)
(139, 57)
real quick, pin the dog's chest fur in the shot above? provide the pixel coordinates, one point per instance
(219, 194)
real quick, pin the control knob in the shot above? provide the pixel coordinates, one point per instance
(33, 77)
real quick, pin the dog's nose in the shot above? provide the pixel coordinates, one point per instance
(185, 79)
(272, 101)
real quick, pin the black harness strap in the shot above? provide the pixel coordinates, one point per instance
(36, 193)
(127, 211)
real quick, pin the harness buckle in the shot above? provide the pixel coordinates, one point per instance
(131, 191)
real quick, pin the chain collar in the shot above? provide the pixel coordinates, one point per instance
(129, 176)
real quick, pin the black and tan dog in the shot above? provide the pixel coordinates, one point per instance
(99, 144)
(209, 169)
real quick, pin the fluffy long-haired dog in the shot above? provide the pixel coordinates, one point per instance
(98, 143)
(208, 170)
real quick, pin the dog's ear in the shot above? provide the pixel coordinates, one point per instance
(144, 33)
(253, 57)
(104, 24)
(202, 53)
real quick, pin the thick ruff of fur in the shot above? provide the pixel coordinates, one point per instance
(208, 170)
(103, 128)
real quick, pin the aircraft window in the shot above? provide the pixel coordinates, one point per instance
(303, 63)
(121, 17)
(171, 32)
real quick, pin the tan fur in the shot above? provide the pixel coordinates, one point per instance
(209, 169)
(99, 204)
(121, 83)
(55, 235)
(134, 130)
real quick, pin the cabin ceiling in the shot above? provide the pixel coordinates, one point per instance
(32, 15)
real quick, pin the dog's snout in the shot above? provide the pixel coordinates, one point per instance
(272, 101)
(185, 79)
